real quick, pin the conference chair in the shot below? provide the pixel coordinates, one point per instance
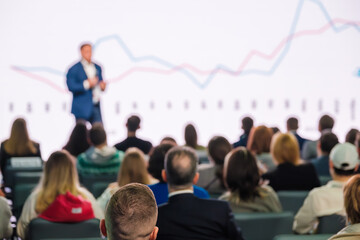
(42, 229)
(24, 183)
(21, 164)
(331, 224)
(264, 226)
(292, 200)
(324, 180)
(303, 237)
(96, 184)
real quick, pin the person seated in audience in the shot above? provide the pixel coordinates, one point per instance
(100, 158)
(18, 145)
(79, 140)
(191, 138)
(292, 125)
(156, 165)
(352, 208)
(326, 124)
(242, 178)
(211, 175)
(246, 124)
(259, 144)
(133, 169)
(131, 214)
(290, 173)
(58, 197)
(326, 142)
(6, 229)
(351, 136)
(328, 200)
(186, 216)
(132, 125)
(168, 140)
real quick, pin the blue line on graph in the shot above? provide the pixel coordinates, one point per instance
(219, 67)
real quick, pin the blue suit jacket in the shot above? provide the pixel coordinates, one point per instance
(82, 104)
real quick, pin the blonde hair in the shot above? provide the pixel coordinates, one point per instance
(60, 176)
(352, 199)
(19, 142)
(133, 168)
(285, 148)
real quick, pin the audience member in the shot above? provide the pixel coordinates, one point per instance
(290, 173)
(156, 165)
(326, 124)
(327, 141)
(259, 144)
(100, 158)
(131, 214)
(186, 216)
(246, 124)
(168, 140)
(79, 139)
(351, 135)
(352, 207)
(191, 138)
(211, 175)
(132, 125)
(18, 145)
(58, 197)
(242, 178)
(328, 199)
(292, 125)
(132, 170)
(5, 213)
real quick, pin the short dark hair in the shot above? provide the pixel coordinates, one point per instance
(328, 140)
(180, 166)
(342, 172)
(157, 160)
(218, 148)
(292, 123)
(133, 123)
(242, 173)
(84, 45)
(132, 207)
(97, 134)
(326, 122)
(351, 136)
(247, 124)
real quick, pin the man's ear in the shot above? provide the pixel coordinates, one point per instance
(103, 227)
(154, 233)
(163, 175)
(196, 178)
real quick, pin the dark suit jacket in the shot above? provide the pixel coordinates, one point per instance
(82, 104)
(188, 217)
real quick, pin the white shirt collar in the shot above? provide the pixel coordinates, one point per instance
(181, 192)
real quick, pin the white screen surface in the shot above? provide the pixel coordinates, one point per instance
(173, 62)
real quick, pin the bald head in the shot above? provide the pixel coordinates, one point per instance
(180, 167)
(131, 214)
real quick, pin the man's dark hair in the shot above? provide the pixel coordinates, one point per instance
(247, 124)
(157, 160)
(351, 136)
(133, 123)
(84, 45)
(97, 134)
(326, 122)
(327, 142)
(292, 124)
(180, 166)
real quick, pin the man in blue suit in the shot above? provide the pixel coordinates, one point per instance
(85, 81)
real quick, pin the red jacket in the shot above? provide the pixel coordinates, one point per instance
(68, 208)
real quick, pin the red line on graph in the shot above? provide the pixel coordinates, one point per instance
(40, 79)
